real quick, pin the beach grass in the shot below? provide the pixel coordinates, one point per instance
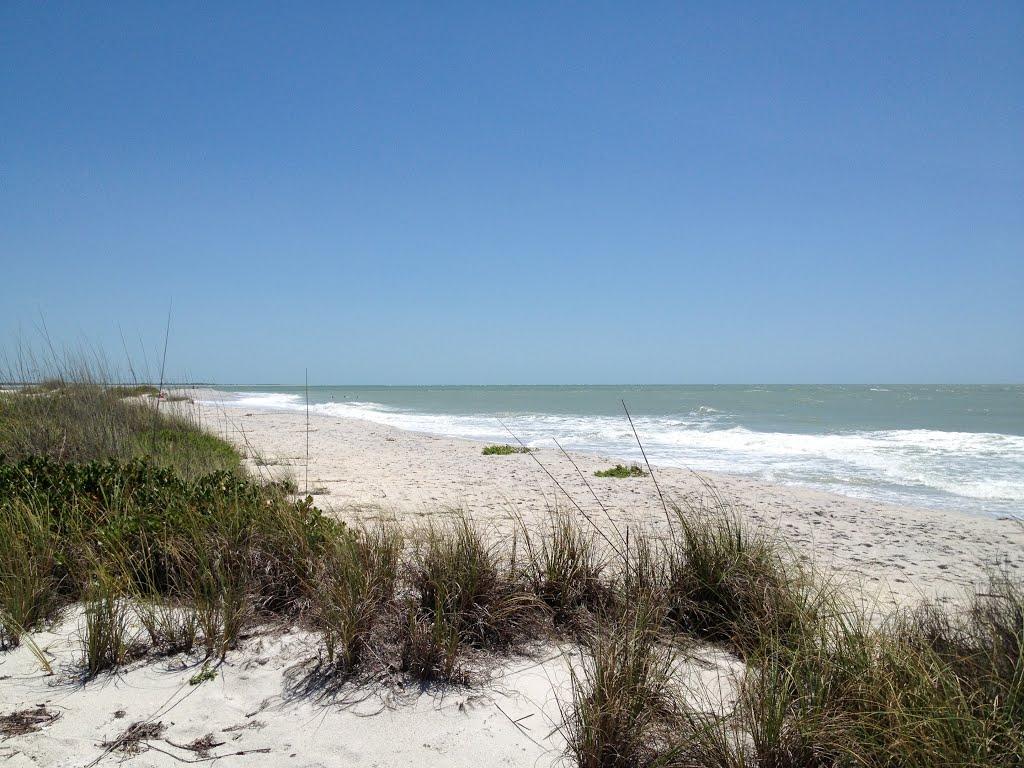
(564, 566)
(80, 419)
(467, 597)
(621, 710)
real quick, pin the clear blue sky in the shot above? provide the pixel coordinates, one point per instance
(462, 193)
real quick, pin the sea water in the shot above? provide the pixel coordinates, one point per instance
(957, 447)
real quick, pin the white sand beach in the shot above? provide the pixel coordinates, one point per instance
(362, 469)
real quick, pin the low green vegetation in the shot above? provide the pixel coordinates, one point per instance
(620, 470)
(108, 530)
(204, 675)
(505, 450)
(78, 422)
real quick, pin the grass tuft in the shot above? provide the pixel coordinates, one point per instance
(622, 706)
(354, 590)
(565, 568)
(29, 569)
(732, 584)
(107, 639)
(466, 597)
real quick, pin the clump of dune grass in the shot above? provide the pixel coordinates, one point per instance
(431, 648)
(727, 582)
(107, 638)
(133, 390)
(354, 591)
(622, 471)
(640, 571)
(505, 450)
(29, 569)
(466, 597)
(922, 687)
(623, 704)
(564, 566)
(172, 626)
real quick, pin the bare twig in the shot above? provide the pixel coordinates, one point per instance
(650, 469)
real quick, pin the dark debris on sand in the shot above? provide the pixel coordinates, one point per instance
(131, 739)
(26, 721)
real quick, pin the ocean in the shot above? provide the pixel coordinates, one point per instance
(952, 447)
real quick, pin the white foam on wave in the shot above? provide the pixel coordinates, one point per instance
(917, 466)
(257, 400)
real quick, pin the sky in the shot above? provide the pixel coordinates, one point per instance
(518, 193)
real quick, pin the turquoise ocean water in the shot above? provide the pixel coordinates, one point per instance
(957, 447)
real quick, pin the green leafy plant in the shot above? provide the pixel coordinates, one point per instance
(619, 470)
(206, 674)
(505, 450)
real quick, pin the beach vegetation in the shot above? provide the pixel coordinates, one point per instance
(107, 638)
(172, 625)
(621, 713)
(621, 470)
(467, 597)
(134, 390)
(564, 567)
(355, 590)
(730, 583)
(505, 450)
(204, 675)
(82, 420)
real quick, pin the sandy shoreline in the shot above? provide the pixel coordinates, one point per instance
(363, 469)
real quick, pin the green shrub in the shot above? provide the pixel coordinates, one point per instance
(620, 470)
(505, 450)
